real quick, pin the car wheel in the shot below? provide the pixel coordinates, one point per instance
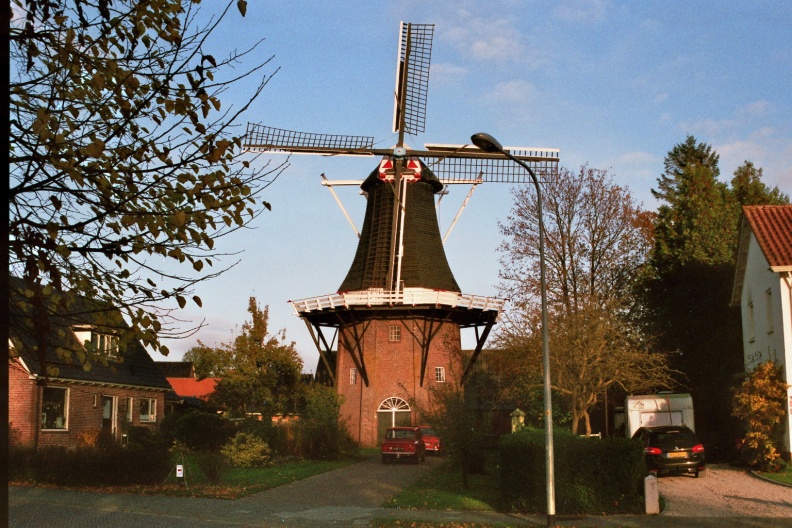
(384, 459)
(701, 473)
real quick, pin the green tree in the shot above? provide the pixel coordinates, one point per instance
(687, 288)
(695, 220)
(259, 372)
(124, 165)
(760, 404)
(321, 431)
(749, 189)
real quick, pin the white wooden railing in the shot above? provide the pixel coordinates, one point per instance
(393, 298)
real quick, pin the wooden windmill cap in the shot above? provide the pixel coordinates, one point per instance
(424, 263)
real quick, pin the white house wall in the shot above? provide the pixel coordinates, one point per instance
(767, 341)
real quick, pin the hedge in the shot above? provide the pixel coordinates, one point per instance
(89, 466)
(592, 476)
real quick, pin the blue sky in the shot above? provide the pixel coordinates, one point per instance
(612, 84)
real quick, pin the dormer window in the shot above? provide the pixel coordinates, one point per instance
(98, 342)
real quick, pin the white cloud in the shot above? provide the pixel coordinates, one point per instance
(766, 149)
(485, 39)
(514, 92)
(447, 73)
(755, 109)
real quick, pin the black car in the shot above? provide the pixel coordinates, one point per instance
(672, 449)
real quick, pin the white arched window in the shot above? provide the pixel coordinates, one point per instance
(393, 406)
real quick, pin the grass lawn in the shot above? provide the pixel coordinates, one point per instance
(234, 483)
(442, 489)
(784, 477)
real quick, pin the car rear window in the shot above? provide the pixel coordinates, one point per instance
(677, 437)
(426, 431)
(395, 434)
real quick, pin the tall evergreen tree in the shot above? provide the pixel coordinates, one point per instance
(692, 271)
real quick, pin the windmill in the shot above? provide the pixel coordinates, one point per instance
(400, 277)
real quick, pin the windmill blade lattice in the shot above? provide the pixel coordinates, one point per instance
(415, 54)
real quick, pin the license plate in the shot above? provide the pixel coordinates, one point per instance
(677, 454)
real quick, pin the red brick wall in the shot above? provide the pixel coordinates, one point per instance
(394, 370)
(21, 405)
(84, 420)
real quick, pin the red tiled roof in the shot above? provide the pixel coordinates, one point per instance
(772, 227)
(185, 387)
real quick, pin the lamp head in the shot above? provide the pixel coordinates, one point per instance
(486, 142)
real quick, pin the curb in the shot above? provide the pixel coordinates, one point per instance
(771, 481)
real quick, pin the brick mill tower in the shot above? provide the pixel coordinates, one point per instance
(396, 318)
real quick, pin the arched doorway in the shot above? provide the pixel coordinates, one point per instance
(392, 412)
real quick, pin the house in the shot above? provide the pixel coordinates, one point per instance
(56, 401)
(763, 290)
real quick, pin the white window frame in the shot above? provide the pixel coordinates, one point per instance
(440, 376)
(151, 416)
(394, 333)
(65, 413)
(353, 376)
(97, 342)
(130, 416)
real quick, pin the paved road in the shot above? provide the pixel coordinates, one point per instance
(350, 496)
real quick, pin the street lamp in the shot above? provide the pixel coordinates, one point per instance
(488, 143)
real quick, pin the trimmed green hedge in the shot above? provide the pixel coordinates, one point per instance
(115, 466)
(591, 475)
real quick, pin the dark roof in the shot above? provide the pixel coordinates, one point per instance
(424, 264)
(62, 349)
(176, 369)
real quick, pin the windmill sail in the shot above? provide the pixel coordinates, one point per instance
(412, 78)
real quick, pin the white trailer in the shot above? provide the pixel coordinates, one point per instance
(658, 409)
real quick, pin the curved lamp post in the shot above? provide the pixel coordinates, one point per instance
(488, 143)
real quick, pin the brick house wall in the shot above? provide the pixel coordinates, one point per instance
(84, 420)
(394, 370)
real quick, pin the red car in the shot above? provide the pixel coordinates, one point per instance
(403, 443)
(430, 438)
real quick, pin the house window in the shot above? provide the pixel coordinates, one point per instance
(104, 344)
(54, 408)
(97, 342)
(353, 376)
(751, 325)
(769, 309)
(129, 410)
(148, 410)
(394, 333)
(440, 374)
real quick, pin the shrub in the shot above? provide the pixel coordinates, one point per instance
(760, 404)
(200, 431)
(246, 450)
(591, 476)
(211, 464)
(321, 434)
(90, 466)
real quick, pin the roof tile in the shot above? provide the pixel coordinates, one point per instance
(772, 227)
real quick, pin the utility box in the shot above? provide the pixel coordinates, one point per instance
(658, 409)
(651, 495)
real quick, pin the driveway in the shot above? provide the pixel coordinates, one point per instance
(725, 492)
